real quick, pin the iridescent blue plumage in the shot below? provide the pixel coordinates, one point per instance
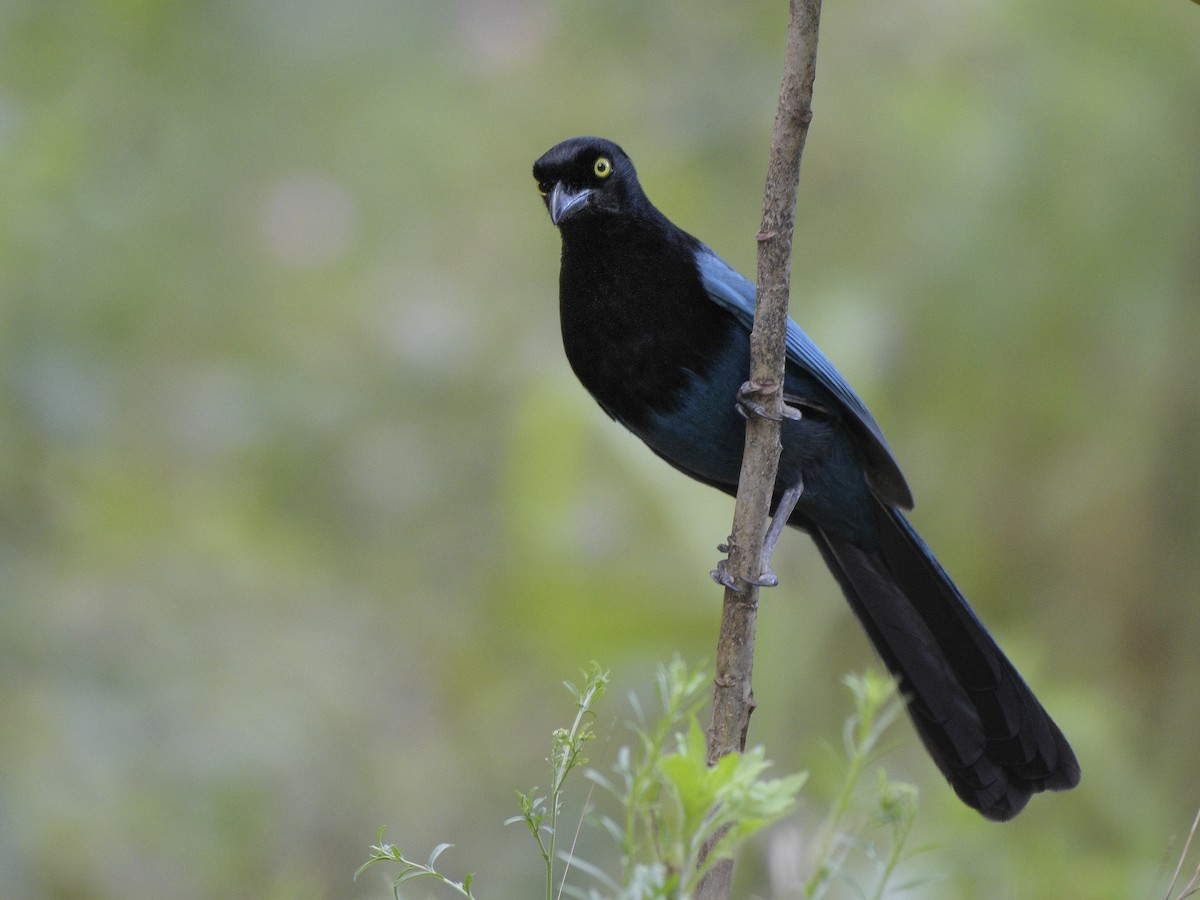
(732, 291)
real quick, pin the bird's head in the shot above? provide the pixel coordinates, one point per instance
(586, 176)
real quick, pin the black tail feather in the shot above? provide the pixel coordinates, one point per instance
(981, 723)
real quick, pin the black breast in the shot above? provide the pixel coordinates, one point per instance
(636, 319)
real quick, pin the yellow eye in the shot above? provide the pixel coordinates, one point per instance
(602, 168)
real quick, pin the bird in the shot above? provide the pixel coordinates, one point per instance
(656, 326)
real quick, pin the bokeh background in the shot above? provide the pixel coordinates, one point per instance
(303, 517)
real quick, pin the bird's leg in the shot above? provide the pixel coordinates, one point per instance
(750, 397)
(783, 512)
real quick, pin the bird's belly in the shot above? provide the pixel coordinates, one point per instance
(703, 433)
(704, 436)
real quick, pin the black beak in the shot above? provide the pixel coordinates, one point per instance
(563, 203)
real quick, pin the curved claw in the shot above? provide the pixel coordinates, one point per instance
(748, 402)
(722, 576)
(766, 579)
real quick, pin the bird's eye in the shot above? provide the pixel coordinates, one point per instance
(603, 168)
(544, 187)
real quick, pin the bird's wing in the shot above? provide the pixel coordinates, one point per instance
(732, 291)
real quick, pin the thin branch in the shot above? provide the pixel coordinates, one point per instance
(733, 697)
(1188, 888)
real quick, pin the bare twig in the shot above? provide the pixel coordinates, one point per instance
(733, 697)
(1194, 884)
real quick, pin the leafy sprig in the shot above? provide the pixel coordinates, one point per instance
(382, 852)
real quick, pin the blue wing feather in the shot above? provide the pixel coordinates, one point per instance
(732, 291)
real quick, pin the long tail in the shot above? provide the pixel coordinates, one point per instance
(981, 723)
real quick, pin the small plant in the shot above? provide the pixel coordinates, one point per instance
(680, 697)
(566, 755)
(382, 852)
(673, 801)
(668, 801)
(852, 821)
(539, 813)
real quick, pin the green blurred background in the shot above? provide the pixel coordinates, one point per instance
(303, 516)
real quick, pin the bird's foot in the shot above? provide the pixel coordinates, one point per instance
(766, 579)
(722, 576)
(783, 511)
(751, 397)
